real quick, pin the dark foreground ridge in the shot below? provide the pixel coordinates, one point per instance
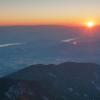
(66, 81)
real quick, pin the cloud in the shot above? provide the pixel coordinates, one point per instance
(69, 40)
(9, 44)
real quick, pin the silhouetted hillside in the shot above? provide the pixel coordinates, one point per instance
(66, 81)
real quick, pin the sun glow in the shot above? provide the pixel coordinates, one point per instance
(90, 24)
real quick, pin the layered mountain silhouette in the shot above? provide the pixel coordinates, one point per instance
(65, 81)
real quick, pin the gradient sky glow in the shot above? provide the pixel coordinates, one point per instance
(17, 12)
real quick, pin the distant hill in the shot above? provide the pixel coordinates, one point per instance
(65, 81)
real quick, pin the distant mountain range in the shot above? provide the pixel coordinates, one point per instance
(65, 81)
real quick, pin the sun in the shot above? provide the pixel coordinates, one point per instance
(90, 24)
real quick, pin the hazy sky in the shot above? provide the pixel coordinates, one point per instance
(48, 11)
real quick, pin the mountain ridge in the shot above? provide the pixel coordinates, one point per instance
(65, 81)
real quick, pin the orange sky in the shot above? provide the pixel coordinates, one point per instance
(41, 22)
(38, 12)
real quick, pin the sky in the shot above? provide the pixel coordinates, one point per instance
(33, 12)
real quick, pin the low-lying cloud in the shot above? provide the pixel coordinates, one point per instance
(69, 40)
(9, 44)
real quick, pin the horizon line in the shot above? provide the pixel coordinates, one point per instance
(63, 25)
